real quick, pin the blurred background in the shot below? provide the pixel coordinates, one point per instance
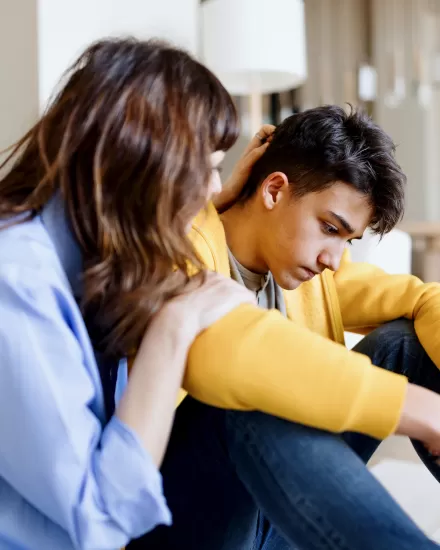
(276, 58)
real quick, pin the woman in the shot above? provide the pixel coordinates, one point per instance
(94, 213)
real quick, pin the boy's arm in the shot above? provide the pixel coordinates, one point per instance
(254, 359)
(370, 297)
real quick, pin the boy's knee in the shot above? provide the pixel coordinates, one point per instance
(397, 336)
(400, 329)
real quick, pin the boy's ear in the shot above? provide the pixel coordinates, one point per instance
(273, 188)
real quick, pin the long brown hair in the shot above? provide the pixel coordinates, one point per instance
(127, 144)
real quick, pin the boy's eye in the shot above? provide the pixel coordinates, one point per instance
(330, 229)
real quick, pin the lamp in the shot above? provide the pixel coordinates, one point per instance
(255, 47)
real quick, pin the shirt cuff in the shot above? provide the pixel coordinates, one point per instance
(130, 482)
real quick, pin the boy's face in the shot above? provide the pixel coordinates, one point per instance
(303, 236)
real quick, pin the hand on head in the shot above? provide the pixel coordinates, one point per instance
(234, 184)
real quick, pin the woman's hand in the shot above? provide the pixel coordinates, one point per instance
(234, 184)
(149, 400)
(200, 307)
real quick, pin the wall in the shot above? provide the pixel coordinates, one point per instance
(67, 27)
(337, 43)
(18, 69)
(404, 51)
(40, 38)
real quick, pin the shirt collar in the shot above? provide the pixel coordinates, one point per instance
(256, 282)
(54, 219)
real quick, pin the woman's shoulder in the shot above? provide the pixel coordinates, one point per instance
(26, 252)
(43, 337)
(38, 306)
(24, 243)
(30, 269)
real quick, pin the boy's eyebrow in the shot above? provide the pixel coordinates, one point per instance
(350, 230)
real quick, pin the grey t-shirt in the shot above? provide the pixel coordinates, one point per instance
(269, 294)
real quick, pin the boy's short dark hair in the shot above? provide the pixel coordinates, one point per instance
(323, 145)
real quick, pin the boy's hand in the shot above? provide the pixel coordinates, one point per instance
(420, 417)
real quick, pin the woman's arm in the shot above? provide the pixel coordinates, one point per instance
(234, 184)
(148, 403)
(100, 485)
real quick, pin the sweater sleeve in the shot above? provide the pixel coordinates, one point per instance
(257, 360)
(369, 297)
(254, 359)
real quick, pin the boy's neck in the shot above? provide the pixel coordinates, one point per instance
(242, 228)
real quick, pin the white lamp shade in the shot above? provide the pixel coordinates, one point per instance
(255, 46)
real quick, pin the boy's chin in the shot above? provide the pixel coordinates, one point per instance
(288, 282)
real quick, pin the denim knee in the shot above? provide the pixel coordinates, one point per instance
(392, 335)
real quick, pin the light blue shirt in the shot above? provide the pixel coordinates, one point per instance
(68, 478)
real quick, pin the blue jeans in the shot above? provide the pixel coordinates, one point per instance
(250, 481)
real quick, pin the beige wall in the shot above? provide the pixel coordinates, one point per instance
(415, 127)
(66, 27)
(337, 43)
(40, 38)
(18, 69)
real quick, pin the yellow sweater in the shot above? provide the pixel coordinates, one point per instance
(298, 368)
